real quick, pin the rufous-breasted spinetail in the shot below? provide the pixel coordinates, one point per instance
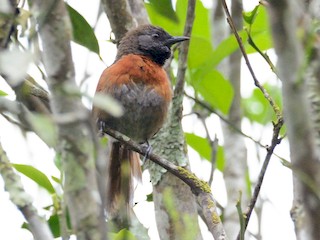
(138, 81)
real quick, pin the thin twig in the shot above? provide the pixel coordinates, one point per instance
(264, 55)
(274, 106)
(214, 148)
(274, 142)
(241, 217)
(277, 126)
(224, 119)
(184, 49)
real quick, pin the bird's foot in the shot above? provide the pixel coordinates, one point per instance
(101, 127)
(148, 150)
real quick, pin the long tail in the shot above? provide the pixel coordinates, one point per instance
(122, 167)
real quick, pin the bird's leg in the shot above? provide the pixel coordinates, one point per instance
(148, 148)
(101, 126)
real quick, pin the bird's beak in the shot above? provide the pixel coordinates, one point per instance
(174, 40)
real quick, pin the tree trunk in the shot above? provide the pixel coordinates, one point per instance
(170, 144)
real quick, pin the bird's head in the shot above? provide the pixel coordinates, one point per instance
(149, 41)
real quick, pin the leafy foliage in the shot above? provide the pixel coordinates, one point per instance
(54, 225)
(164, 8)
(2, 93)
(123, 234)
(83, 34)
(36, 175)
(257, 25)
(214, 88)
(202, 146)
(257, 108)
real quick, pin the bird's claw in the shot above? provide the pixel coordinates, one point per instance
(148, 150)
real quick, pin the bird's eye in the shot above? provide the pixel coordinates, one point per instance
(155, 36)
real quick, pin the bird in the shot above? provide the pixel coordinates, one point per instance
(138, 81)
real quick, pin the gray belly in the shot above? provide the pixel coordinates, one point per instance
(144, 112)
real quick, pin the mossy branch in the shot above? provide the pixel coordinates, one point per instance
(200, 188)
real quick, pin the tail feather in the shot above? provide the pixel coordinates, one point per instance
(123, 166)
(134, 159)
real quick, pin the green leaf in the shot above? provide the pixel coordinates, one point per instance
(198, 56)
(57, 180)
(202, 146)
(37, 176)
(213, 57)
(150, 197)
(249, 17)
(257, 108)
(175, 27)
(214, 88)
(3, 94)
(83, 34)
(164, 8)
(201, 25)
(25, 225)
(199, 144)
(259, 30)
(45, 128)
(54, 225)
(157, 19)
(262, 40)
(220, 162)
(201, 43)
(248, 183)
(123, 234)
(58, 161)
(260, 21)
